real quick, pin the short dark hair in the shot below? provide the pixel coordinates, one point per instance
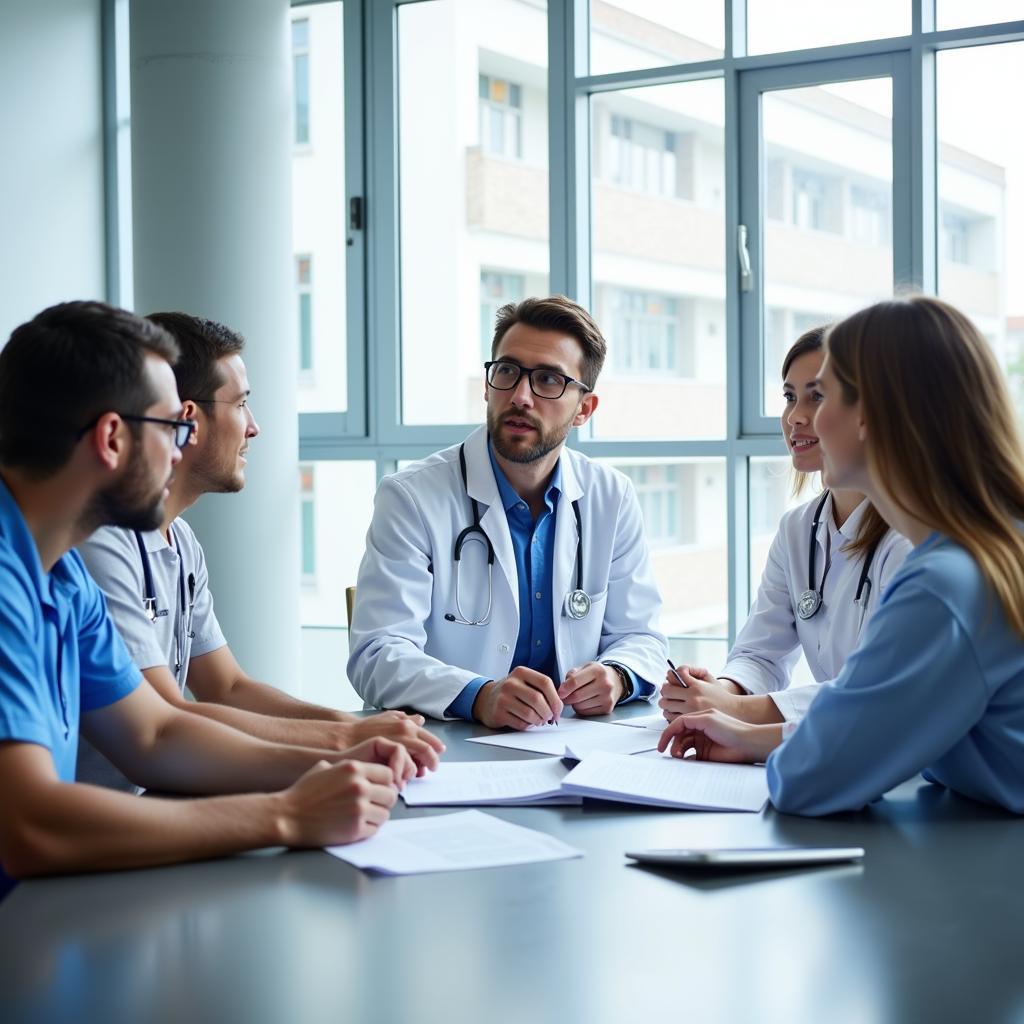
(203, 343)
(556, 313)
(64, 369)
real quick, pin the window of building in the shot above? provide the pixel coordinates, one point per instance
(300, 78)
(657, 490)
(956, 233)
(645, 330)
(642, 157)
(501, 117)
(307, 497)
(809, 199)
(304, 295)
(869, 215)
(496, 289)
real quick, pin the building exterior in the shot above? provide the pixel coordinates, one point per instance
(472, 133)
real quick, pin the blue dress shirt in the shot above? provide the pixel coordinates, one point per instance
(533, 542)
(935, 686)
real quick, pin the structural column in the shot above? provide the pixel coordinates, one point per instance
(211, 182)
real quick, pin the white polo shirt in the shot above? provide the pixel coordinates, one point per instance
(181, 626)
(769, 644)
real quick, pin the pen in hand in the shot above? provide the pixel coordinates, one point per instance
(679, 678)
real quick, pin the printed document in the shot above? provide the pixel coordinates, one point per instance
(670, 782)
(656, 722)
(451, 842)
(575, 734)
(491, 783)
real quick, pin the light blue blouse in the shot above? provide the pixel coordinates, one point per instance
(936, 685)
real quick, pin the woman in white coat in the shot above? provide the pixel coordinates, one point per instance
(826, 570)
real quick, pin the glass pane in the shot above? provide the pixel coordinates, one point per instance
(658, 209)
(318, 208)
(981, 197)
(632, 34)
(473, 181)
(827, 206)
(777, 25)
(770, 484)
(336, 504)
(770, 495)
(962, 13)
(683, 502)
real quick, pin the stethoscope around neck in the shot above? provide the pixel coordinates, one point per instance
(811, 599)
(184, 608)
(577, 601)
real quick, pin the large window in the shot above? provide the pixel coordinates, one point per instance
(708, 195)
(323, 242)
(472, 176)
(981, 196)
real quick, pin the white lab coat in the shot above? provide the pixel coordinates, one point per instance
(403, 651)
(769, 644)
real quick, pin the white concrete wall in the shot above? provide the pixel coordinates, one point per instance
(51, 172)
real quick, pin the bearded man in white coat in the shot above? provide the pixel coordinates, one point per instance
(508, 576)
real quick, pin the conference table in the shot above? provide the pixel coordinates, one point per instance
(930, 927)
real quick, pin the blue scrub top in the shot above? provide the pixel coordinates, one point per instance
(936, 685)
(60, 654)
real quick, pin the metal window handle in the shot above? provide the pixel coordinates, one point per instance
(746, 276)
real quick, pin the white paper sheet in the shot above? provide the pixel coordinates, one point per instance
(491, 783)
(576, 734)
(451, 842)
(670, 782)
(656, 722)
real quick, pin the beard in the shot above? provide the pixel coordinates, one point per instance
(134, 502)
(213, 471)
(547, 441)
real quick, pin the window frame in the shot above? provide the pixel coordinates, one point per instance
(372, 428)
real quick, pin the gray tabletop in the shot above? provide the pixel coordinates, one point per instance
(930, 928)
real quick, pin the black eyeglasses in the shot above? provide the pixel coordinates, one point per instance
(544, 383)
(182, 428)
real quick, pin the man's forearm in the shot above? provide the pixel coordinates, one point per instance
(74, 827)
(262, 699)
(192, 754)
(324, 735)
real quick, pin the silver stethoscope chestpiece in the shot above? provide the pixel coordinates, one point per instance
(578, 604)
(809, 603)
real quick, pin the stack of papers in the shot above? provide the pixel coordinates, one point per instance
(687, 784)
(492, 783)
(451, 842)
(574, 737)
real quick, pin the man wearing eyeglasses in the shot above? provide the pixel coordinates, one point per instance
(90, 432)
(157, 586)
(507, 577)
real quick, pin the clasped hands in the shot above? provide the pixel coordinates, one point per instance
(526, 697)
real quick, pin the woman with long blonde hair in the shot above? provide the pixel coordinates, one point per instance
(915, 413)
(826, 570)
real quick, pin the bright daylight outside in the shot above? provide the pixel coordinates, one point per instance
(473, 190)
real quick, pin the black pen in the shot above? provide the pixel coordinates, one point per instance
(676, 674)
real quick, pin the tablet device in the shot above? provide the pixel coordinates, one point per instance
(753, 857)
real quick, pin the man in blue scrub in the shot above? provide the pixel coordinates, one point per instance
(90, 431)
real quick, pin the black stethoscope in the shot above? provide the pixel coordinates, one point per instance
(149, 598)
(811, 599)
(577, 602)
